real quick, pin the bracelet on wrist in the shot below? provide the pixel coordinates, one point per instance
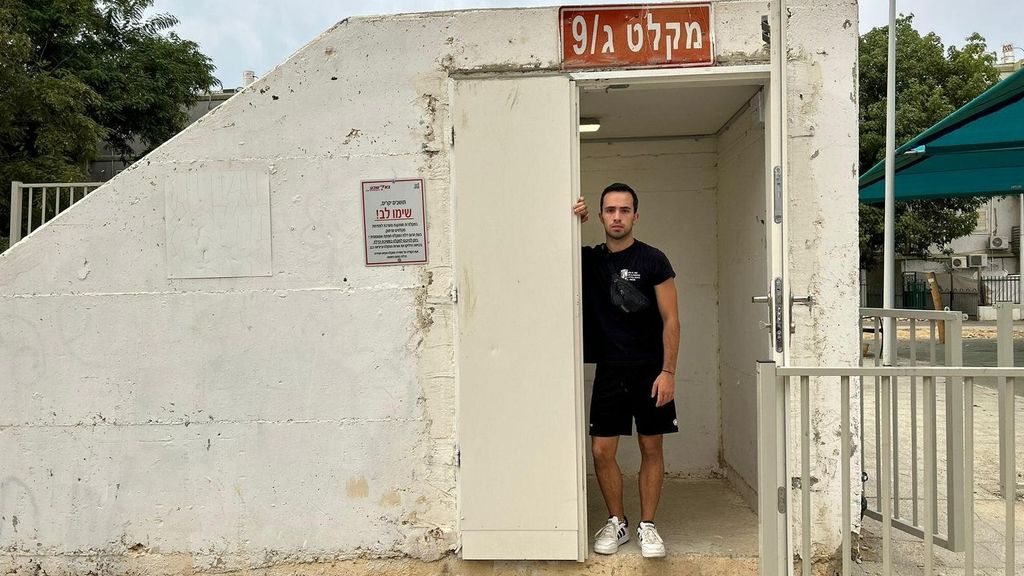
(668, 371)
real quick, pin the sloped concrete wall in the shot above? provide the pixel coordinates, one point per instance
(301, 416)
(308, 415)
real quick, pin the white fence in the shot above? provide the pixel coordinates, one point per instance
(945, 330)
(35, 204)
(774, 390)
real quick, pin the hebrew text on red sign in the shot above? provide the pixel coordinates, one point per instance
(636, 36)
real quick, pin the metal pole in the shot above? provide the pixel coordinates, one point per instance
(889, 265)
(15, 233)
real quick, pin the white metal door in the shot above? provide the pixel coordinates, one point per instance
(518, 338)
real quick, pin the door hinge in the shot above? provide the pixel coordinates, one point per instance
(777, 190)
(782, 499)
(453, 136)
(458, 458)
(455, 294)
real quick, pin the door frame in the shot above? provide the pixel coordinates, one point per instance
(777, 260)
(775, 130)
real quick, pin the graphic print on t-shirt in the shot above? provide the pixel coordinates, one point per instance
(630, 275)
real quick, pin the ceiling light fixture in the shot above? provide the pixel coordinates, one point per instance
(590, 124)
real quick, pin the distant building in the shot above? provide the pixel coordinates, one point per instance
(1009, 64)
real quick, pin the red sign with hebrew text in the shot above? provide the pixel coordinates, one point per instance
(656, 35)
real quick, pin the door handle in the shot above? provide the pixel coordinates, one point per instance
(805, 300)
(761, 299)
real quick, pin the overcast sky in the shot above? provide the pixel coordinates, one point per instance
(259, 34)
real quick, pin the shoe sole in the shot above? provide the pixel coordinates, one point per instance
(611, 550)
(659, 554)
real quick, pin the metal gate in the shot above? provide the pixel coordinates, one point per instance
(775, 386)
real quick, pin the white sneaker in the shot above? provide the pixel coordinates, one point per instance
(651, 544)
(610, 536)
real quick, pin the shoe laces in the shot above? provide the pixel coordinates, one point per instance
(609, 530)
(648, 533)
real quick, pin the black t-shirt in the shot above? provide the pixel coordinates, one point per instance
(611, 336)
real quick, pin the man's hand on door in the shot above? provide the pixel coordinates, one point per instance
(580, 209)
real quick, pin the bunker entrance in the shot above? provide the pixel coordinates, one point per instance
(695, 154)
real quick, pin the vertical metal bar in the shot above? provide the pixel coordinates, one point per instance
(931, 342)
(932, 402)
(878, 362)
(894, 382)
(1004, 357)
(805, 475)
(31, 205)
(930, 479)
(955, 436)
(42, 218)
(878, 340)
(782, 415)
(16, 219)
(968, 493)
(1009, 461)
(913, 424)
(771, 511)
(884, 497)
(878, 444)
(57, 205)
(844, 465)
(860, 431)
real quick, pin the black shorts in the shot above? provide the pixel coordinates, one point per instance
(622, 393)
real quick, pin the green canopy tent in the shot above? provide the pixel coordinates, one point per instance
(976, 151)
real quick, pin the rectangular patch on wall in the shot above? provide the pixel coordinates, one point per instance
(217, 223)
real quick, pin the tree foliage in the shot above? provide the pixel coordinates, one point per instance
(931, 83)
(74, 73)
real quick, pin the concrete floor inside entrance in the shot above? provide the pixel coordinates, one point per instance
(704, 522)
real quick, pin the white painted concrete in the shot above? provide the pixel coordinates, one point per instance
(822, 212)
(309, 415)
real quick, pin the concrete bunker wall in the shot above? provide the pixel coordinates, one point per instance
(234, 421)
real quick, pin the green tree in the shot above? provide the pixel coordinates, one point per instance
(74, 73)
(931, 82)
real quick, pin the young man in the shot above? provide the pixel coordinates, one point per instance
(635, 347)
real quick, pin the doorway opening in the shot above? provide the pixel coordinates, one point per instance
(696, 153)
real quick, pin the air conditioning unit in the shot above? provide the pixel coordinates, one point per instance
(999, 242)
(958, 262)
(977, 260)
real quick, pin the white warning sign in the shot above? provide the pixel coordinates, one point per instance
(394, 222)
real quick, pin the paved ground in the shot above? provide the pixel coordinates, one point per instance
(695, 517)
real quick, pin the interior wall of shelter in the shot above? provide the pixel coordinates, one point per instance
(676, 180)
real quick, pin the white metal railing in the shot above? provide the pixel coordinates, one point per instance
(945, 329)
(774, 388)
(35, 204)
(1004, 358)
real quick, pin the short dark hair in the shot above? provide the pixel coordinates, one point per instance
(620, 187)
